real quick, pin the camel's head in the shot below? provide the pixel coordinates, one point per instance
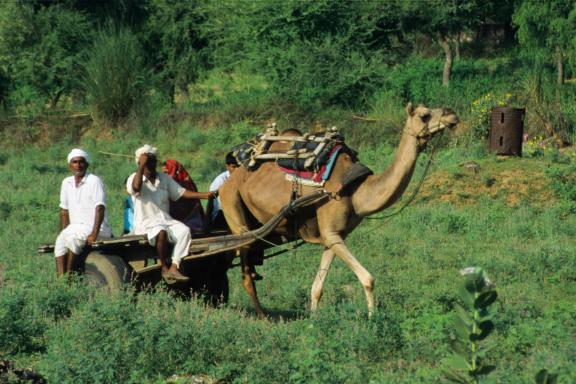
(423, 123)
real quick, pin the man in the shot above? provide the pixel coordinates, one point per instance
(82, 212)
(188, 211)
(152, 192)
(216, 217)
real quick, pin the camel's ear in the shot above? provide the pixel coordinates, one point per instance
(410, 109)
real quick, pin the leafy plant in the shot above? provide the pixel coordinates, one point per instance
(473, 324)
(116, 75)
(545, 377)
(482, 108)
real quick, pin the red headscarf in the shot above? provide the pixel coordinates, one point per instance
(188, 211)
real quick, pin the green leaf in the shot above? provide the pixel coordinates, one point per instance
(487, 327)
(463, 315)
(483, 370)
(474, 283)
(457, 362)
(456, 377)
(462, 329)
(467, 297)
(485, 299)
(459, 347)
(545, 377)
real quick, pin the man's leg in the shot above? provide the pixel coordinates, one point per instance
(71, 262)
(179, 234)
(69, 244)
(162, 249)
(61, 264)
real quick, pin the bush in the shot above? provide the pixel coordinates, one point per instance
(116, 75)
(26, 314)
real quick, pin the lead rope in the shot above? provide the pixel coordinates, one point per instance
(414, 193)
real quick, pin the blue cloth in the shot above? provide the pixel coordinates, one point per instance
(128, 215)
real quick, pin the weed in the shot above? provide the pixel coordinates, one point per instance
(473, 325)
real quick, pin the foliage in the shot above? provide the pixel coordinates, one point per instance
(549, 108)
(472, 326)
(562, 180)
(172, 26)
(307, 60)
(545, 377)
(446, 22)
(116, 77)
(40, 50)
(537, 146)
(481, 111)
(547, 28)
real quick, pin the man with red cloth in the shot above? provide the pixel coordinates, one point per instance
(188, 211)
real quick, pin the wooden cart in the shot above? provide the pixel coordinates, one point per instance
(131, 259)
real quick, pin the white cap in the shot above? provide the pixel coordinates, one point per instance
(77, 152)
(146, 149)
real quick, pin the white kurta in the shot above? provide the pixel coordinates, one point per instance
(151, 207)
(81, 202)
(216, 184)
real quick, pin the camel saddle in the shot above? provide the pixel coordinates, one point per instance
(308, 160)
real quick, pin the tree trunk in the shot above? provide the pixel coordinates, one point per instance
(457, 47)
(559, 67)
(445, 44)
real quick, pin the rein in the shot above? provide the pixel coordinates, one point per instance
(414, 193)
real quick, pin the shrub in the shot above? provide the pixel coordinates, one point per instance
(116, 77)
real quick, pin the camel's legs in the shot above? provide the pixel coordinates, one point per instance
(316, 294)
(234, 212)
(248, 283)
(366, 279)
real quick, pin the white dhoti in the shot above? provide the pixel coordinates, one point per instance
(178, 234)
(73, 239)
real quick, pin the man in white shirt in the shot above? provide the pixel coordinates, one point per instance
(216, 216)
(82, 212)
(152, 192)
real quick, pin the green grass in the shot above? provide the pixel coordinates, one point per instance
(70, 333)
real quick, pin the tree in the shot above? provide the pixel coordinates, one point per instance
(41, 48)
(116, 76)
(445, 21)
(173, 37)
(547, 28)
(313, 54)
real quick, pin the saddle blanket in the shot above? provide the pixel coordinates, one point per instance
(311, 178)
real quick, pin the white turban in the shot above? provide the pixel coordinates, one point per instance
(77, 152)
(146, 149)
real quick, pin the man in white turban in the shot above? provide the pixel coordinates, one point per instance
(151, 192)
(82, 212)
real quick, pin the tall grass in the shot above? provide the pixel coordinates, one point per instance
(116, 75)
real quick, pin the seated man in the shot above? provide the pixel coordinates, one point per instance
(82, 212)
(188, 211)
(152, 192)
(216, 217)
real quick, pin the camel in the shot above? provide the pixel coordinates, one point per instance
(260, 194)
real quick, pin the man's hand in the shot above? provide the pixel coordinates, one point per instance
(188, 194)
(91, 239)
(142, 160)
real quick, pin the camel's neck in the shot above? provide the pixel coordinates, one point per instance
(378, 192)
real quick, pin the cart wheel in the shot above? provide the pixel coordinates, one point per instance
(102, 270)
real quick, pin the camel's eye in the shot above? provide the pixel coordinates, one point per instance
(426, 117)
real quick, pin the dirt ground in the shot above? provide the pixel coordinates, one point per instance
(471, 181)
